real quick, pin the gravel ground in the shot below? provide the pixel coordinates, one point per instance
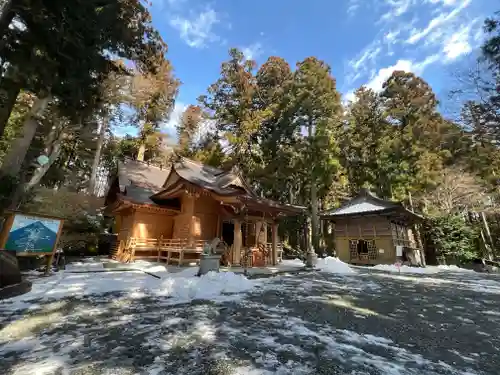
(314, 323)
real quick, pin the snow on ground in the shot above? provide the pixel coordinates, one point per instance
(310, 323)
(87, 264)
(453, 268)
(425, 270)
(333, 265)
(291, 263)
(179, 287)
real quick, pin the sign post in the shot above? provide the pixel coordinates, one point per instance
(31, 235)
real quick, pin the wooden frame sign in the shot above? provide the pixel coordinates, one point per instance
(30, 234)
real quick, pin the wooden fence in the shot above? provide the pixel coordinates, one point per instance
(176, 251)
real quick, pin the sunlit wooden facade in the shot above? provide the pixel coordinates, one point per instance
(367, 230)
(168, 215)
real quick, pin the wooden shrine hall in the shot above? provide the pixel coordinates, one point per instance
(368, 230)
(167, 215)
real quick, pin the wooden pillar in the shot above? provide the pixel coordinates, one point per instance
(191, 219)
(218, 233)
(274, 243)
(237, 241)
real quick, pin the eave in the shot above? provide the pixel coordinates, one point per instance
(122, 203)
(400, 213)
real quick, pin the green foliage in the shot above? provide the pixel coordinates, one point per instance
(453, 237)
(230, 103)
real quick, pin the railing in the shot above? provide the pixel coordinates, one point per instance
(172, 251)
(180, 252)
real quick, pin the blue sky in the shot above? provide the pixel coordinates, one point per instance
(362, 40)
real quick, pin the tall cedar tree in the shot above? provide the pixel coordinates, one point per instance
(316, 109)
(365, 143)
(230, 103)
(277, 172)
(415, 150)
(153, 97)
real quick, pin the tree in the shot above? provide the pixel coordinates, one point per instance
(457, 192)
(365, 143)
(187, 128)
(315, 107)
(277, 167)
(114, 94)
(453, 237)
(69, 56)
(230, 103)
(415, 147)
(153, 98)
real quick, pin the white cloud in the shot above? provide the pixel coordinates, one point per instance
(252, 51)
(391, 36)
(410, 30)
(353, 6)
(435, 25)
(175, 117)
(405, 65)
(457, 44)
(365, 60)
(197, 31)
(396, 8)
(444, 2)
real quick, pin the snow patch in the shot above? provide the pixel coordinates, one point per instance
(405, 269)
(334, 265)
(454, 268)
(429, 270)
(180, 287)
(292, 263)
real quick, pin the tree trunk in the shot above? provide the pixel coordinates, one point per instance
(14, 159)
(41, 171)
(97, 156)
(141, 152)
(314, 216)
(488, 235)
(314, 240)
(9, 91)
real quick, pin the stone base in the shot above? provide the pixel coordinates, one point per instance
(209, 263)
(15, 290)
(9, 269)
(311, 260)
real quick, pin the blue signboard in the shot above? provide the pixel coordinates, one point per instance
(32, 234)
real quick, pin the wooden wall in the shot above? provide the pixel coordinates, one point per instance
(182, 222)
(149, 224)
(205, 218)
(125, 223)
(384, 242)
(369, 228)
(199, 217)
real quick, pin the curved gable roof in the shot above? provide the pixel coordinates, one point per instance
(365, 202)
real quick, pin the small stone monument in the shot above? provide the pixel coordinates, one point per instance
(209, 261)
(311, 258)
